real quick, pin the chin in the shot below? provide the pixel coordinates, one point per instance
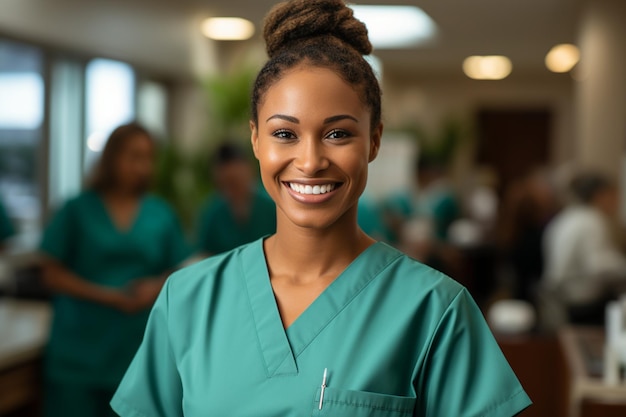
(314, 220)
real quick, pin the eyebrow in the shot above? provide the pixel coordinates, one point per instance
(328, 120)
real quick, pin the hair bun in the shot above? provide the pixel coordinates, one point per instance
(296, 21)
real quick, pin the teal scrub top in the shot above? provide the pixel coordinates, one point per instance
(396, 337)
(6, 226)
(219, 231)
(90, 343)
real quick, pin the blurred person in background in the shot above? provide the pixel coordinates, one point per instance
(370, 218)
(6, 227)
(527, 207)
(584, 264)
(106, 254)
(419, 220)
(241, 211)
(436, 199)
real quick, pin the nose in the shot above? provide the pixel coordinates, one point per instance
(311, 157)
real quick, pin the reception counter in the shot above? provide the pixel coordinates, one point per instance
(24, 327)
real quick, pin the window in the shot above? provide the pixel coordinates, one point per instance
(152, 99)
(66, 131)
(21, 122)
(110, 88)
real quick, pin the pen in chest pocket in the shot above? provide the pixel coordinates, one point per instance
(323, 387)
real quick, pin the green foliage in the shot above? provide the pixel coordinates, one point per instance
(442, 145)
(183, 180)
(228, 99)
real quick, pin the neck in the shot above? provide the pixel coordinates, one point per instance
(120, 194)
(306, 254)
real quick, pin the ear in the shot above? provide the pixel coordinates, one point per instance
(254, 139)
(377, 133)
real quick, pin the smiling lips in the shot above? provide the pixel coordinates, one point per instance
(311, 189)
(312, 193)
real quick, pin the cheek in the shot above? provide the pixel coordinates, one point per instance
(354, 162)
(270, 159)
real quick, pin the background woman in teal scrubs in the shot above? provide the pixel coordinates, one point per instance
(106, 255)
(318, 319)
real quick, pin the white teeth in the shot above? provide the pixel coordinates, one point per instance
(308, 189)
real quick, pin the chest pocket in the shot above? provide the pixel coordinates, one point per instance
(345, 403)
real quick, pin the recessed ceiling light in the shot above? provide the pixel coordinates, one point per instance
(562, 58)
(488, 67)
(227, 28)
(395, 26)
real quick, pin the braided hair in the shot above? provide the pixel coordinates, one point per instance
(318, 33)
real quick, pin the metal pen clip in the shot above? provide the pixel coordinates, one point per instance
(323, 387)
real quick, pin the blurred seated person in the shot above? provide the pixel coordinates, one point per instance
(6, 227)
(241, 211)
(106, 254)
(584, 264)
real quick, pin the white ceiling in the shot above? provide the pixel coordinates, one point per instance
(164, 35)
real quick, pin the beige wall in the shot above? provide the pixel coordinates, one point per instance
(429, 99)
(601, 95)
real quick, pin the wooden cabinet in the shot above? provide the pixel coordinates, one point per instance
(21, 390)
(537, 362)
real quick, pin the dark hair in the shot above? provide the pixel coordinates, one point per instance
(586, 186)
(322, 33)
(103, 178)
(226, 153)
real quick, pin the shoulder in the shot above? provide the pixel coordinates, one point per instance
(82, 200)
(418, 283)
(581, 219)
(158, 206)
(156, 202)
(192, 283)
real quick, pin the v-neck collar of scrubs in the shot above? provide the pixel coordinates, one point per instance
(116, 227)
(281, 347)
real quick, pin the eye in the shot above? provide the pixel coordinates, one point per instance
(284, 134)
(337, 134)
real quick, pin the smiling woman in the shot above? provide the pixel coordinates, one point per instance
(318, 319)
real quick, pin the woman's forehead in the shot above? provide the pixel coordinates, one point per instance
(309, 91)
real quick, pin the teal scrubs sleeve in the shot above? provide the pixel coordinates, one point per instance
(59, 234)
(157, 388)
(466, 373)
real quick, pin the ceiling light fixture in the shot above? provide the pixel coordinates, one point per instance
(227, 28)
(391, 27)
(563, 57)
(488, 67)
